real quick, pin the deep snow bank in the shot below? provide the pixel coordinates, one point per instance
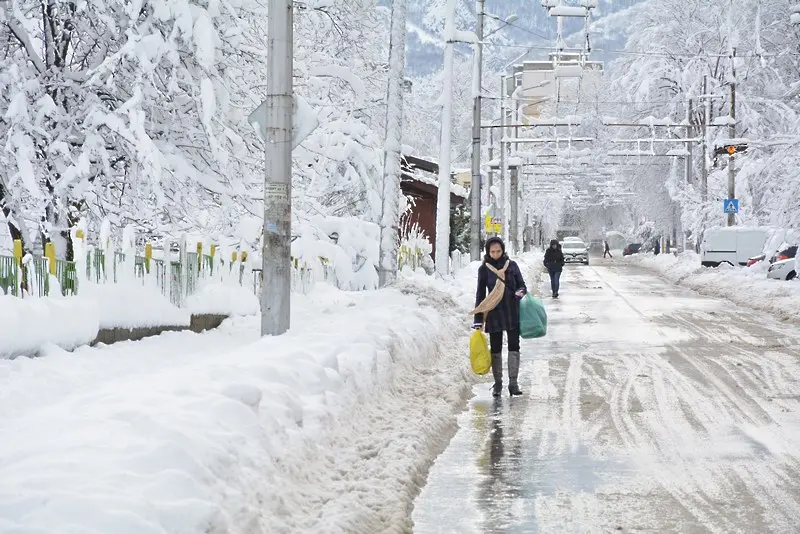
(747, 286)
(330, 427)
(26, 325)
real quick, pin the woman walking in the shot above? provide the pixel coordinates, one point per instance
(499, 311)
(554, 263)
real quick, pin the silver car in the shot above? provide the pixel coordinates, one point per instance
(575, 252)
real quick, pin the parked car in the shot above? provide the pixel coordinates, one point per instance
(632, 248)
(732, 245)
(572, 238)
(785, 254)
(756, 259)
(575, 252)
(782, 270)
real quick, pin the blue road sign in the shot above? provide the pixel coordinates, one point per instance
(730, 205)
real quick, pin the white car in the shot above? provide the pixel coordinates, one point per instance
(575, 251)
(782, 270)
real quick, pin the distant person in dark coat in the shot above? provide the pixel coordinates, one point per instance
(554, 263)
(657, 247)
(504, 315)
(606, 250)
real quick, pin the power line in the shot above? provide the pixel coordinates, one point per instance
(750, 55)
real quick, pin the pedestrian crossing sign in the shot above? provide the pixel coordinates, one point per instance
(730, 205)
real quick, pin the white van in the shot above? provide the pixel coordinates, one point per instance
(733, 245)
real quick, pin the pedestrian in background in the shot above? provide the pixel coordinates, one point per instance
(606, 250)
(554, 263)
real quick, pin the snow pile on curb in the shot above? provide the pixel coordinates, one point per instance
(745, 286)
(223, 299)
(332, 426)
(133, 305)
(27, 325)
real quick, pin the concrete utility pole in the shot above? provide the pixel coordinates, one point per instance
(513, 224)
(276, 250)
(393, 146)
(689, 144)
(490, 180)
(443, 195)
(475, 212)
(503, 155)
(706, 120)
(732, 135)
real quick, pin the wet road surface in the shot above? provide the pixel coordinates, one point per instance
(647, 408)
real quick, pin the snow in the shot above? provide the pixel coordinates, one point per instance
(652, 121)
(568, 11)
(28, 325)
(6, 242)
(133, 305)
(346, 75)
(223, 299)
(330, 425)
(748, 286)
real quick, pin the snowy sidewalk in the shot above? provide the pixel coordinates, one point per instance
(330, 427)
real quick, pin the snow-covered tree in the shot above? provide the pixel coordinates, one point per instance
(136, 111)
(670, 57)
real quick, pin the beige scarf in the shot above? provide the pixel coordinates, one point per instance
(497, 293)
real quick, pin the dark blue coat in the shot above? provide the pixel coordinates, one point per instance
(506, 315)
(553, 259)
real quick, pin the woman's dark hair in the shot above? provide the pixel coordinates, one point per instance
(493, 241)
(554, 242)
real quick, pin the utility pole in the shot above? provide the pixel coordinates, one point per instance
(503, 155)
(706, 120)
(689, 144)
(390, 219)
(276, 249)
(490, 181)
(475, 212)
(443, 197)
(513, 193)
(732, 135)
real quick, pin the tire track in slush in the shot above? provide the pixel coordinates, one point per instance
(696, 503)
(758, 479)
(761, 478)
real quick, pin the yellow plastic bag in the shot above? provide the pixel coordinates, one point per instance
(479, 355)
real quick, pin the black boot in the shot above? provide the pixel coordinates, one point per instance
(497, 372)
(513, 374)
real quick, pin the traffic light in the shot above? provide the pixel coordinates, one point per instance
(729, 150)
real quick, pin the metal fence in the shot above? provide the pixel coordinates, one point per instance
(174, 279)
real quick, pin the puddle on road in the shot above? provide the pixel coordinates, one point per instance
(495, 469)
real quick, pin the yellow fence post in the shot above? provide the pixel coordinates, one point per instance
(50, 253)
(199, 257)
(148, 255)
(18, 251)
